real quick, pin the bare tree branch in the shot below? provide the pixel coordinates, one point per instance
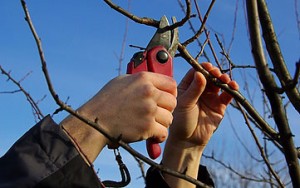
(120, 57)
(276, 55)
(194, 31)
(234, 25)
(296, 75)
(207, 35)
(197, 34)
(297, 16)
(230, 168)
(286, 137)
(150, 21)
(94, 123)
(263, 155)
(236, 134)
(37, 113)
(283, 141)
(146, 21)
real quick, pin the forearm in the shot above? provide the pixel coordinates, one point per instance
(182, 158)
(88, 141)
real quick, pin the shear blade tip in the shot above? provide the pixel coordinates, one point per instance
(163, 22)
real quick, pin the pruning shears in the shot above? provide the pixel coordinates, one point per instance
(158, 58)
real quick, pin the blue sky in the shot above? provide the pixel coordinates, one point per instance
(81, 40)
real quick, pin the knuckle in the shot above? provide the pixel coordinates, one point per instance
(147, 90)
(173, 84)
(163, 135)
(169, 120)
(148, 109)
(147, 124)
(142, 75)
(173, 102)
(151, 109)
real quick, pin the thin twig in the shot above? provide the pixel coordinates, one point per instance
(202, 49)
(239, 67)
(35, 108)
(263, 155)
(207, 36)
(234, 25)
(294, 82)
(194, 31)
(242, 176)
(146, 21)
(141, 166)
(120, 57)
(150, 21)
(297, 16)
(186, 17)
(200, 30)
(226, 55)
(138, 47)
(250, 153)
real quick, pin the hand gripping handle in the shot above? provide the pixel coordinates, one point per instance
(157, 60)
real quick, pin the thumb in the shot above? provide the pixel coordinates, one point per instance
(191, 88)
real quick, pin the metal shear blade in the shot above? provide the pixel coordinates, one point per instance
(165, 38)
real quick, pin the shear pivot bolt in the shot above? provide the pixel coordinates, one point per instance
(162, 56)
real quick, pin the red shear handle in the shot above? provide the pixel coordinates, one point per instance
(160, 61)
(138, 63)
(156, 60)
(153, 148)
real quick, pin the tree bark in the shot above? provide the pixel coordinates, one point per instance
(274, 98)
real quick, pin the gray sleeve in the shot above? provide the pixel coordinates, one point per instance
(39, 154)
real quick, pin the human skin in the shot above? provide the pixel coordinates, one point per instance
(137, 106)
(200, 109)
(140, 106)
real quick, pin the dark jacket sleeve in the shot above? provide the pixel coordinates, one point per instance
(45, 157)
(155, 179)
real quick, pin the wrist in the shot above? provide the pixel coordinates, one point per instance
(183, 152)
(182, 157)
(87, 140)
(184, 145)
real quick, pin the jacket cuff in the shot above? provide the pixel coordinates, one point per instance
(155, 178)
